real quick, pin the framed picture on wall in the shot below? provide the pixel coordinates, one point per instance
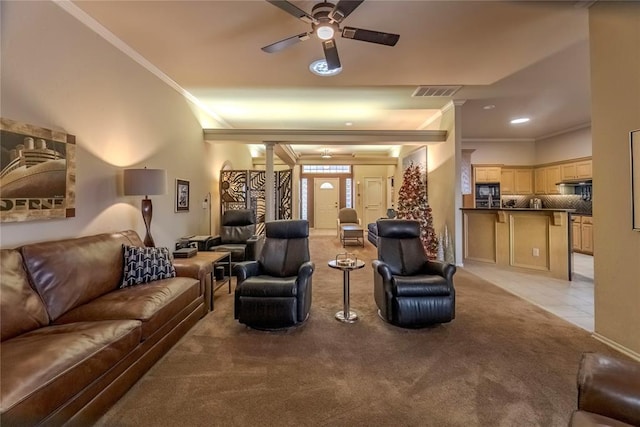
(37, 172)
(634, 138)
(182, 195)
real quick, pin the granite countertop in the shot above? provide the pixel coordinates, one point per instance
(521, 209)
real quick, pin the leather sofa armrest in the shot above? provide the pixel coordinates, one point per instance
(254, 247)
(443, 269)
(610, 387)
(213, 241)
(246, 269)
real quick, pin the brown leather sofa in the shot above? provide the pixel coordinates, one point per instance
(73, 342)
(608, 392)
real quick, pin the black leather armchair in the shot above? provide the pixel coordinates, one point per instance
(275, 291)
(237, 235)
(410, 290)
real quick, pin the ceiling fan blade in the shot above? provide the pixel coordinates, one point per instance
(344, 9)
(282, 44)
(370, 36)
(293, 10)
(331, 54)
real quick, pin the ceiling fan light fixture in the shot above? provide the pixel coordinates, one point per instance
(320, 68)
(325, 32)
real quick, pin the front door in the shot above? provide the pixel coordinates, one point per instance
(326, 196)
(373, 197)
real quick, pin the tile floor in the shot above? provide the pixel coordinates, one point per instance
(571, 300)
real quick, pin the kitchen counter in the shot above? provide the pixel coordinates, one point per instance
(535, 241)
(521, 209)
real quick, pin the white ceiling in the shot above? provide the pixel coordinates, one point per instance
(523, 57)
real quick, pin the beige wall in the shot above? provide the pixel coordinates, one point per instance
(570, 145)
(445, 196)
(56, 73)
(501, 152)
(234, 154)
(614, 33)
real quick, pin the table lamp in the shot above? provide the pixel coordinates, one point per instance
(145, 182)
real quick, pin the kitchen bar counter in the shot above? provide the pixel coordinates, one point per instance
(534, 241)
(520, 209)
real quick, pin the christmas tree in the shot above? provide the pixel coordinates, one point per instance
(412, 204)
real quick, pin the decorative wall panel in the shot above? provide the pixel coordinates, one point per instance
(245, 189)
(284, 195)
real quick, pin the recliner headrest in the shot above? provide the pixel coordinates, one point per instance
(398, 228)
(287, 229)
(238, 217)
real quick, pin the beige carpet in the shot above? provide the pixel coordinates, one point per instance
(501, 362)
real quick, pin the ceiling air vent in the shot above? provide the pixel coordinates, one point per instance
(436, 90)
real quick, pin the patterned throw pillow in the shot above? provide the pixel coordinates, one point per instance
(144, 265)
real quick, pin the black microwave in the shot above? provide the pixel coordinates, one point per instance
(483, 191)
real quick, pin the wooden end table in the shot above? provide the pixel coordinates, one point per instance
(207, 262)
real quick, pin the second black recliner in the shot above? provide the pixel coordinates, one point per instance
(410, 290)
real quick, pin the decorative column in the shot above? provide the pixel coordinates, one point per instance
(270, 188)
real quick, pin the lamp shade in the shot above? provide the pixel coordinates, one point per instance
(144, 182)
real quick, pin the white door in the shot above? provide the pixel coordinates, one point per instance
(373, 200)
(326, 196)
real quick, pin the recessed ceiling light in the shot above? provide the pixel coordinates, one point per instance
(348, 124)
(320, 68)
(520, 120)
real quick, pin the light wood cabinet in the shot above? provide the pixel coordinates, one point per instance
(586, 232)
(582, 234)
(576, 234)
(546, 179)
(516, 181)
(553, 177)
(507, 181)
(584, 169)
(540, 181)
(523, 181)
(568, 171)
(485, 174)
(577, 170)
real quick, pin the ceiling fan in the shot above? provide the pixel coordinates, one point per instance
(325, 20)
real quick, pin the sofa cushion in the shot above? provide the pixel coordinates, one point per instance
(154, 304)
(46, 367)
(144, 265)
(21, 309)
(92, 267)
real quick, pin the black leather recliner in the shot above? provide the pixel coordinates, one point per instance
(237, 236)
(275, 291)
(410, 290)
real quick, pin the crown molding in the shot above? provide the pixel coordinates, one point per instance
(562, 132)
(498, 140)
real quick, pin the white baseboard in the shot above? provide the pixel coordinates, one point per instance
(622, 349)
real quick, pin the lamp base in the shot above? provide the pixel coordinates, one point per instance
(147, 212)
